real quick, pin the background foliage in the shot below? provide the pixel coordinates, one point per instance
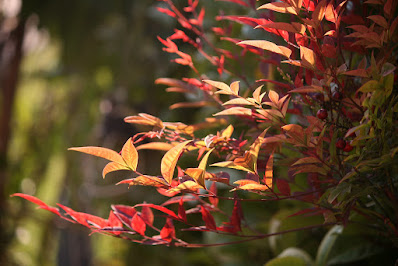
(81, 76)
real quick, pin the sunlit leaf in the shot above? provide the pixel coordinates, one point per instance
(138, 224)
(280, 7)
(187, 185)
(235, 111)
(161, 146)
(144, 119)
(101, 152)
(168, 231)
(269, 46)
(169, 161)
(254, 186)
(112, 167)
(35, 200)
(307, 56)
(269, 171)
(130, 154)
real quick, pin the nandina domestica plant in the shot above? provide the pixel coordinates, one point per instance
(311, 117)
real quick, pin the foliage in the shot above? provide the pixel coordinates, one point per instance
(314, 122)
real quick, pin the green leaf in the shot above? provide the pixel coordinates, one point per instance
(326, 245)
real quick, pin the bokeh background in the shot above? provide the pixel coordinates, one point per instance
(70, 71)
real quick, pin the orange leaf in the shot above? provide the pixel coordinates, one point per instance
(112, 167)
(130, 154)
(243, 182)
(293, 27)
(161, 146)
(273, 96)
(145, 180)
(379, 20)
(269, 171)
(169, 161)
(307, 56)
(269, 46)
(101, 152)
(144, 119)
(319, 11)
(253, 186)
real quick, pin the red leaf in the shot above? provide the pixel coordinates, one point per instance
(127, 211)
(168, 231)
(147, 215)
(236, 217)
(113, 220)
(35, 200)
(214, 200)
(166, 11)
(208, 219)
(138, 224)
(283, 186)
(181, 211)
(159, 208)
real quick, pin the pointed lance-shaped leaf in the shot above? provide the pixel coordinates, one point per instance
(208, 219)
(280, 7)
(101, 152)
(269, 171)
(147, 215)
(112, 167)
(35, 200)
(169, 161)
(168, 231)
(269, 46)
(138, 224)
(130, 154)
(181, 211)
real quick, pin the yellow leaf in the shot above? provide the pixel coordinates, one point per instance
(219, 85)
(232, 165)
(227, 133)
(130, 154)
(238, 101)
(198, 174)
(269, 46)
(169, 161)
(112, 167)
(235, 87)
(235, 111)
(101, 152)
(280, 7)
(187, 185)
